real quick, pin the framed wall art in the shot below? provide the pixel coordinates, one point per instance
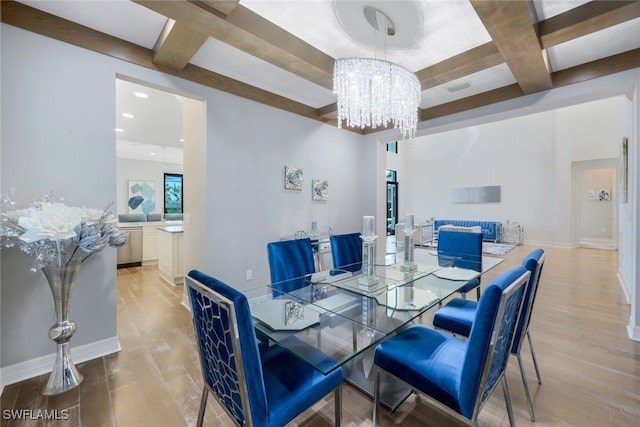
(142, 197)
(320, 189)
(293, 178)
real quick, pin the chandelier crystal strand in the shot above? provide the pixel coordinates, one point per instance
(373, 92)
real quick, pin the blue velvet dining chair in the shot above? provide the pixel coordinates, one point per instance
(289, 262)
(346, 251)
(257, 385)
(458, 376)
(458, 316)
(461, 249)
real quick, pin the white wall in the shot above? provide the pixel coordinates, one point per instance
(596, 215)
(529, 157)
(58, 115)
(141, 170)
(55, 137)
(249, 206)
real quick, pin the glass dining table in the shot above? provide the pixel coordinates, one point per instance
(345, 316)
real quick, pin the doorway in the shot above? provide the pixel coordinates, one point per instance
(596, 201)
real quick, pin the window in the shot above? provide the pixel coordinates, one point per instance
(172, 193)
(392, 147)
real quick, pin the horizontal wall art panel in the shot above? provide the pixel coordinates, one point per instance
(487, 194)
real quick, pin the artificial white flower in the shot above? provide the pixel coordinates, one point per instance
(53, 221)
(55, 234)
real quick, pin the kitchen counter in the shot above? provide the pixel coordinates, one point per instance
(171, 254)
(171, 228)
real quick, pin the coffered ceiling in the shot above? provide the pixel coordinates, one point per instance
(466, 53)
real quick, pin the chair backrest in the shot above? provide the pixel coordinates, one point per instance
(228, 348)
(289, 262)
(490, 339)
(460, 249)
(346, 251)
(534, 263)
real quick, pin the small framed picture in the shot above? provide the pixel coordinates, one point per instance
(320, 189)
(293, 178)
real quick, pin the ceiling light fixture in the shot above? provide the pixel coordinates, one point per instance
(373, 92)
(141, 94)
(119, 130)
(127, 115)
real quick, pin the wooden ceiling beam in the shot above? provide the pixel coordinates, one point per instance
(598, 68)
(224, 6)
(469, 62)
(176, 45)
(510, 26)
(588, 18)
(253, 34)
(476, 101)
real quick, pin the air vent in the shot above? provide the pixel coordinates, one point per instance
(458, 87)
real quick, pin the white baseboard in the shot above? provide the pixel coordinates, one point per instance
(633, 331)
(41, 365)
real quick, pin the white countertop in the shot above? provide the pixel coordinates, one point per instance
(172, 228)
(149, 223)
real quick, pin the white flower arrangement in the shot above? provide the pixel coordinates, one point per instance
(55, 234)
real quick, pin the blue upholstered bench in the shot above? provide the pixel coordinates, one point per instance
(491, 230)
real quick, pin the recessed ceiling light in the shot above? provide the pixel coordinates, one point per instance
(153, 154)
(119, 130)
(141, 94)
(181, 139)
(128, 115)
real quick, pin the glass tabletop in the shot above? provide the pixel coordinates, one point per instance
(335, 312)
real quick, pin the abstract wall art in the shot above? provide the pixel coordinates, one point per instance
(319, 189)
(142, 197)
(293, 178)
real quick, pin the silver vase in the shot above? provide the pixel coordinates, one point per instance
(64, 376)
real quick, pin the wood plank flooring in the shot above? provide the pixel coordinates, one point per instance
(591, 370)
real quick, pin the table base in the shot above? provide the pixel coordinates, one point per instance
(359, 373)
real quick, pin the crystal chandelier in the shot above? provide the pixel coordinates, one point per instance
(373, 92)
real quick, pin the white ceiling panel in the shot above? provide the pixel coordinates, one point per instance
(600, 44)
(231, 62)
(434, 38)
(157, 119)
(119, 18)
(489, 79)
(549, 8)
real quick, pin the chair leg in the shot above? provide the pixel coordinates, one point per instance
(203, 406)
(507, 401)
(376, 394)
(478, 293)
(338, 404)
(526, 388)
(535, 361)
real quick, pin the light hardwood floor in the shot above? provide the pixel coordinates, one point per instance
(591, 370)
